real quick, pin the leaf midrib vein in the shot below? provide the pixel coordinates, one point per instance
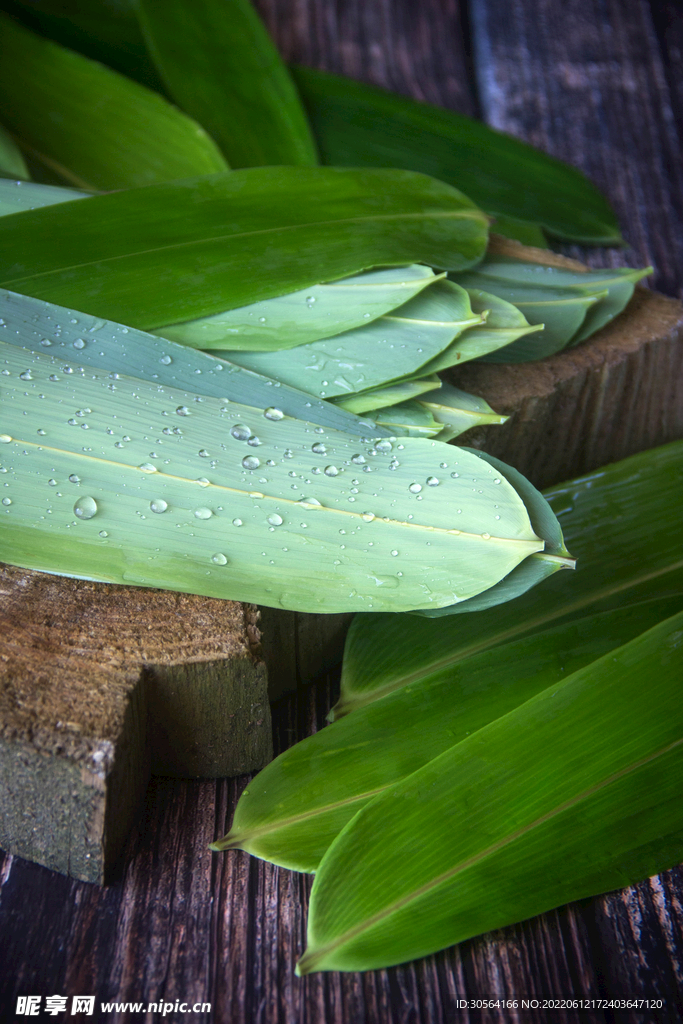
(477, 858)
(452, 215)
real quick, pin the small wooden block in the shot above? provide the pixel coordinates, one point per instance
(101, 684)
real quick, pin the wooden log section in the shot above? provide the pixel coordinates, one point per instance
(101, 684)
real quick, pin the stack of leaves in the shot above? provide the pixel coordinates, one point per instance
(478, 778)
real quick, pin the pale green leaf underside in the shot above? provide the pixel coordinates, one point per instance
(391, 347)
(138, 450)
(575, 792)
(601, 516)
(304, 316)
(95, 127)
(16, 196)
(103, 345)
(291, 812)
(408, 418)
(380, 398)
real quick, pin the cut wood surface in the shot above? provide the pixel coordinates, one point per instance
(98, 684)
(597, 83)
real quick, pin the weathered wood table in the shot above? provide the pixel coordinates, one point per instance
(597, 83)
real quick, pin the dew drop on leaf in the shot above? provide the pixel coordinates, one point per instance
(203, 513)
(85, 508)
(415, 488)
(275, 520)
(158, 505)
(271, 413)
(251, 462)
(219, 558)
(331, 471)
(240, 432)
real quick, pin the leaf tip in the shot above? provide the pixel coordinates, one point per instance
(228, 842)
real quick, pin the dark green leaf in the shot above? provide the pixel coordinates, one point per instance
(98, 129)
(359, 125)
(222, 67)
(173, 252)
(12, 163)
(291, 812)
(575, 792)
(618, 563)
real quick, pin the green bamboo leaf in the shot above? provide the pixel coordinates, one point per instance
(503, 325)
(181, 250)
(457, 411)
(601, 516)
(105, 30)
(361, 125)
(294, 809)
(518, 280)
(392, 346)
(221, 66)
(380, 398)
(234, 525)
(574, 793)
(407, 418)
(16, 196)
(319, 311)
(521, 230)
(561, 312)
(70, 334)
(12, 163)
(98, 129)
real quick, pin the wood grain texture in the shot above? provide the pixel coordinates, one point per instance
(589, 82)
(98, 684)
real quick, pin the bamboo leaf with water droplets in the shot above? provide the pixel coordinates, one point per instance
(391, 347)
(601, 515)
(173, 252)
(104, 451)
(295, 808)
(575, 792)
(95, 127)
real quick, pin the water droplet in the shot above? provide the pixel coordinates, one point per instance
(203, 513)
(310, 299)
(366, 316)
(394, 552)
(367, 517)
(7, 501)
(182, 410)
(5, 439)
(85, 508)
(103, 533)
(79, 343)
(271, 413)
(288, 453)
(67, 369)
(84, 426)
(203, 453)
(275, 520)
(46, 342)
(255, 494)
(240, 432)
(331, 471)
(319, 448)
(496, 517)
(158, 505)
(486, 536)
(251, 462)
(52, 483)
(166, 360)
(125, 437)
(147, 467)
(219, 558)
(254, 441)
(42, 432)
(261, 319)
(384, 446)
(497, 480)
(415, 488)
(358, 460)
(455, 475)
(433, 481)
(119, 444)
(309, 502)
(203, 482)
